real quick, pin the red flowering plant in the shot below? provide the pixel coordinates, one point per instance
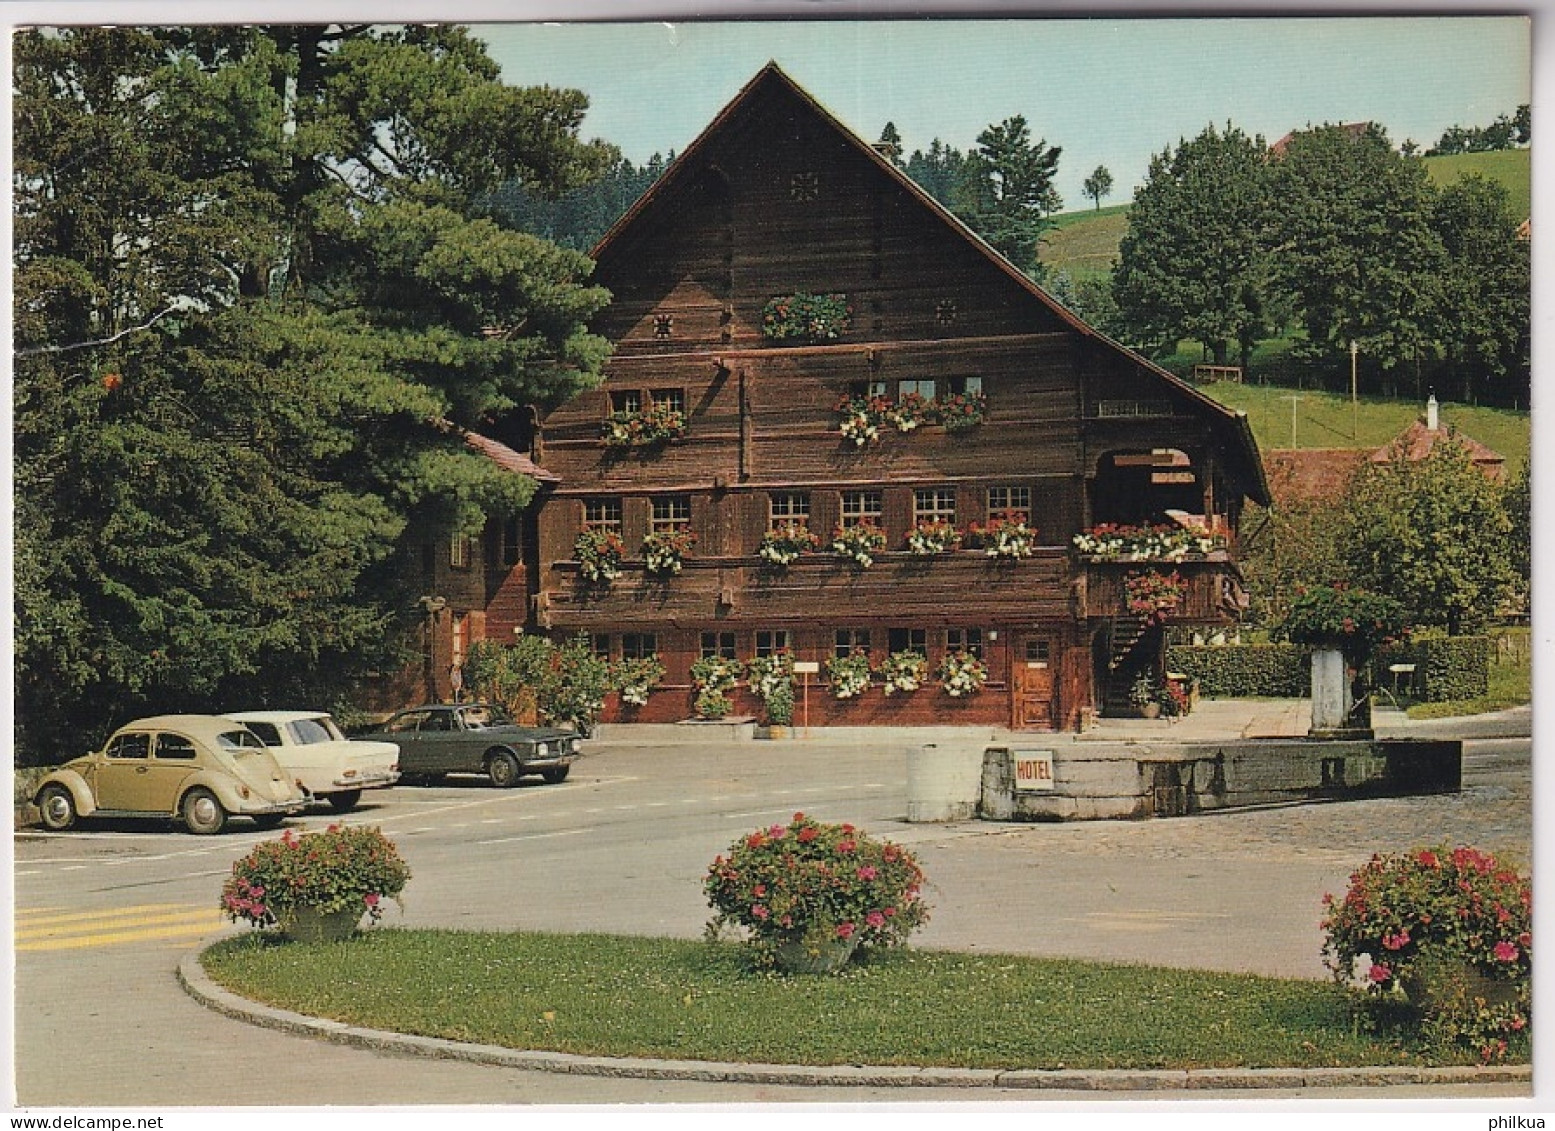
(811, 883)
(599, 551)
(344, 868)
(1355, 621)
(1449, 929)
(807, 317)
(1006, 536)
(1153, 596)
(644, 428)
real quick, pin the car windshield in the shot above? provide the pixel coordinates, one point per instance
(305, 732)
(239, 741)
(479, 718)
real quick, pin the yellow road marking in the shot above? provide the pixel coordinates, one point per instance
(47, 929)
(38, 916)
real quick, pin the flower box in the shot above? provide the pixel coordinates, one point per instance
(783, 546)
(806, 317)
(858, 543)
(645, 428)
(598, 552)
(664, 551)
(1167, 542)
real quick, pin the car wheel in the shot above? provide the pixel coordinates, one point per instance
(269, 820)
(345, 800)
(502, 768)
(555, 774)
(57, 808)
(202, 813)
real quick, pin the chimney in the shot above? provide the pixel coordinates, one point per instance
(1431, 419)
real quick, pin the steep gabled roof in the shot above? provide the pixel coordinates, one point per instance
(688, 164)
(1416, 442)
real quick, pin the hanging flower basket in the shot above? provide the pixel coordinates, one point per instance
(961, 674)
(782, 547)
(1152, 596)
(904, 672)
(658, 424)
(930, 538)
(858, 543)
(664, 551)
(599, 552)
(861, 418)
(806, 317)
(849, 675)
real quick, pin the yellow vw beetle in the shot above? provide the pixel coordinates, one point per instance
(199, 769)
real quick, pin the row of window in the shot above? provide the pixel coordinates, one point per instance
(769, 642)
(787, 508)
(929, 388)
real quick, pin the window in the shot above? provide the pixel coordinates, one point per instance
(639, 645)
(602, 514)
(626, 400)
(908, 639)
(1038, 652)
(599, 644)
(923, 388)
(663, 325)
(268, 733)
(969, 640)
(773, 642)
(718, 644)
(459, 551)
(965, 386)
(510, 548)
(670, 513)
(1001, 499)
(869, 389)
(787, 507)
(934, 504)
(861, 506)
(175, 747)
(130, 746)
(671, 399)
(849, 639)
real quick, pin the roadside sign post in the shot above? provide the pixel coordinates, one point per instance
(806, 668)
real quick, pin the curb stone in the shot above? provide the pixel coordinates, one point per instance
(199, 985)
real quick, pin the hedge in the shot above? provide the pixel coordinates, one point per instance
(1446, 667)
(1240, 671)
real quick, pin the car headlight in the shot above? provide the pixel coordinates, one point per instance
(573, 745)
(542, 750)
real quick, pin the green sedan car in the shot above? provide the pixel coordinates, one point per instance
(476, 738)
(198, 769)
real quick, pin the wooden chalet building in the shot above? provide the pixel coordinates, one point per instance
(1013, 407)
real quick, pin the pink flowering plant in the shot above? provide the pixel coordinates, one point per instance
(344, 868)
(1355, 621)
(1153, 596)
(811, 883)
(1447, 929)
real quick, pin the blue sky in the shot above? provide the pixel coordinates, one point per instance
(1109, 92)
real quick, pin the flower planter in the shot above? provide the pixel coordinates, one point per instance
(827, 958)
(310, 925)
(1150, 711)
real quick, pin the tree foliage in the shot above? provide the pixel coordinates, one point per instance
(1098, 185)
(1194, 262)
(1506, 132)
(1006, 191)
(257, 298)
(1433, 533)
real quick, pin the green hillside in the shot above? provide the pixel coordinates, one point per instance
(1325, 420)
(1085, 242)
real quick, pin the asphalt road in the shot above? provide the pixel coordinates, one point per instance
(103, 916)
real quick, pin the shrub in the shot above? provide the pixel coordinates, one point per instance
(636, 677)
(1446, 667)
(811, 883)
(535, 679)
(344, 868)
(772, 679)
(714, 678)
(1237, 671)
(1449, 928)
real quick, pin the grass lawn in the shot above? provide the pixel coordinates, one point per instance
(607, 995)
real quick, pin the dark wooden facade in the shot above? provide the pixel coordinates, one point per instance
(776, 197)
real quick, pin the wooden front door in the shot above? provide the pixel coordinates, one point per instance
(1032, 679)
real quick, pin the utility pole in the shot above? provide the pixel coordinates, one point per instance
(1293, 398)
(1355, 410)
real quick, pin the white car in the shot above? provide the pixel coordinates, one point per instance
(325, 763)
